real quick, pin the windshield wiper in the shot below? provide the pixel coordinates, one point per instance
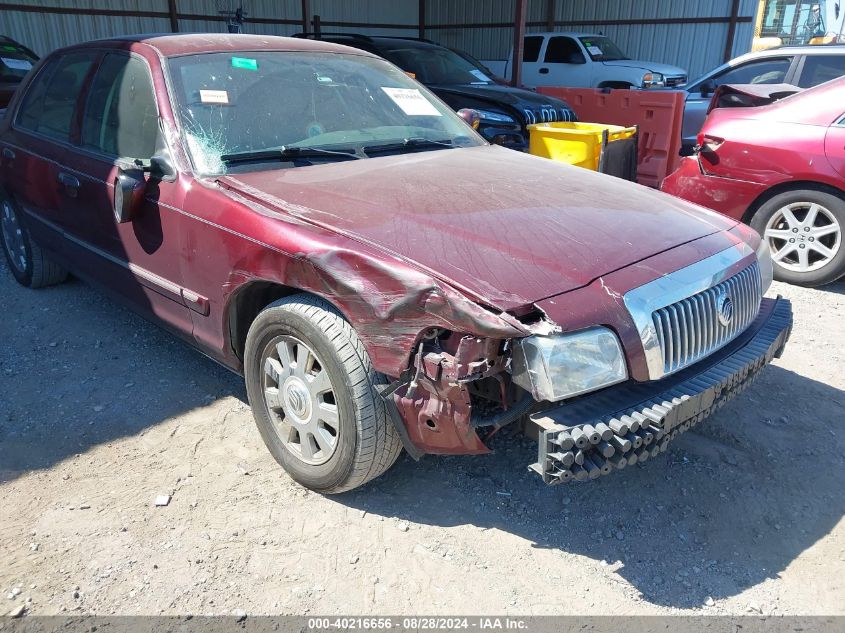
(409, 143)
(289, 153)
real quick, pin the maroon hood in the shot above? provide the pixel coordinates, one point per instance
(510, 228)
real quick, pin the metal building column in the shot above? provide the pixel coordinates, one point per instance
(518, 42)
(729, 43)
(421, 20)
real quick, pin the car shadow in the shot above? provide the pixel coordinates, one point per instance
(729, 505)
(65, 391)
(837, 287)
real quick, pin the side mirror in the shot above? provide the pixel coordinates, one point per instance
(129, 186)
(161, 167)
(472, 117)
(708, 88)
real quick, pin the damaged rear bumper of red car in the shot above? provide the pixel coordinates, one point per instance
(632, 422)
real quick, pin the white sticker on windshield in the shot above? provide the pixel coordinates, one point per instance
(17, 64)
(412, 101)
(595, 50)
(480, 75)
(214, 96)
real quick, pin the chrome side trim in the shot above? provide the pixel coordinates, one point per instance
(672, 288)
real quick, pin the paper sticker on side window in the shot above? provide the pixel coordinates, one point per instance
(214, 96)
(594, 50)
(16, 64)
(480, 75)
(411, 101)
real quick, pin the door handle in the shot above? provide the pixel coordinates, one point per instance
(71, 184)
(543, 71)
(8, 153)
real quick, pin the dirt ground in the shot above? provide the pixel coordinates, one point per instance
(101, 412)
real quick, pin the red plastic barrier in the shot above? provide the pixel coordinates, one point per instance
(658, 114)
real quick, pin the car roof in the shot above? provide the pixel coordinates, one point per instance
(807, 49)
(569, 33)
(174, 45)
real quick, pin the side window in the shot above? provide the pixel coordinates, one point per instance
(50, 101)
(531, 48)
(764, 71)
(821, 68)
(120, 117)
(564, 50)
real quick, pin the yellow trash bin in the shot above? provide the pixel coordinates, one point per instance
(577, 144)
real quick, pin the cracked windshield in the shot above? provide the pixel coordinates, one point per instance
(251, 111)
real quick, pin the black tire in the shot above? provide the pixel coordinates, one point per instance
(31, 268)
(367, 443)
(834, 206)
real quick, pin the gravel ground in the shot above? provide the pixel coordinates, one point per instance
(101, 412)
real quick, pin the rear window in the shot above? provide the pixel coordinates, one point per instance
(531, 48)
(821, 68)
(50, 101)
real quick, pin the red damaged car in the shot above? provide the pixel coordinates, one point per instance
(779, 167)
(309, 216)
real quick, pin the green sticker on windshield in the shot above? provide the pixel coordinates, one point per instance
(245, 62)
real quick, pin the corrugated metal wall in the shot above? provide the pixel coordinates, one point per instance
(696, 47)
(46, 31)
(42, 32)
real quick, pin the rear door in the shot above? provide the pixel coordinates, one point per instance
(766, 70)
(34, 150)
(531, 61)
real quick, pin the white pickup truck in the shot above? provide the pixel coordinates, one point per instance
(585, 60)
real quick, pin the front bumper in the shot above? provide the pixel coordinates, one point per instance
(632, 422)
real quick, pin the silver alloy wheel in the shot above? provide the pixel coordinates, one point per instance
(301, 400)
(13, 237)
(803, 236)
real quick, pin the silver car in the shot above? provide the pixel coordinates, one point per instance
(802, 66)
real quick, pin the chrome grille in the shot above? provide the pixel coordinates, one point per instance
(675, 81)
(546, 114)
(699, 325)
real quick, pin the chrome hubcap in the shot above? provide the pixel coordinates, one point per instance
(803, 237)
(13, 237)
(301, 400)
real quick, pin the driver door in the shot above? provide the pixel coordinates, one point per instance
(139, 259)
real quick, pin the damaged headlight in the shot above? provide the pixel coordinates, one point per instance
(764, 260)
(564, 365)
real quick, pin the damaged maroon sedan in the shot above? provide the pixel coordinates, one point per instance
(309, 216)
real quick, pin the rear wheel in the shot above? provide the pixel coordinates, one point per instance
(804, 232)
(30, 265)
(314, 395)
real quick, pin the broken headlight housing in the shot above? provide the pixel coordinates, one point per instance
(561, 366)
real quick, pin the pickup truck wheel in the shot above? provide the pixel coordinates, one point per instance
(313, 393)
(30, 265)
(804, 230)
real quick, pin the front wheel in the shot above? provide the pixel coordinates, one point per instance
(804, 232)
(313, 393)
